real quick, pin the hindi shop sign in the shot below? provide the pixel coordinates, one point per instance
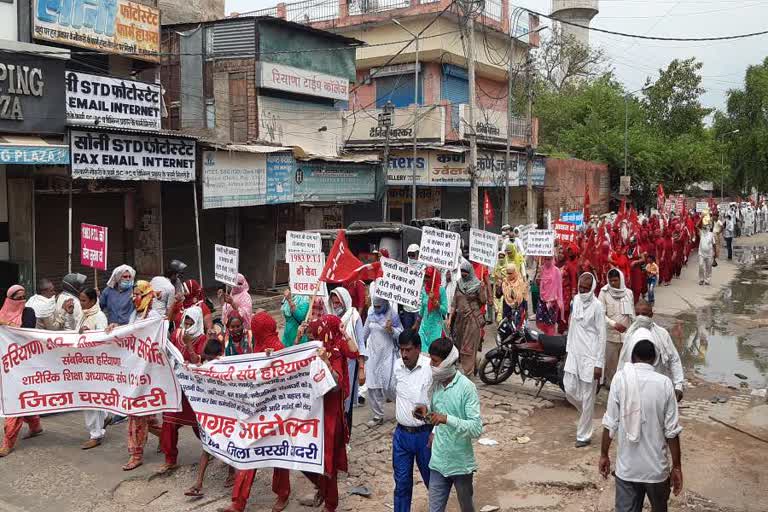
(302, 241)
(565, 231)
(124, 372)
(305, 270)
(112, 102)
(483, 247)
(257, 410)
(97, 155)
(302, 81)
(439, 248)
(118, 26)
(232, 179)
(93, 246)
(400, 283)
(541, 242)
(226, 263)
(31, 99)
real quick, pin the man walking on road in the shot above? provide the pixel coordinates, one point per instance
(642, 413)
(728, 233)
(706, 254)
(586, 356)
(618, 302)
(455, 415)
(413, 379)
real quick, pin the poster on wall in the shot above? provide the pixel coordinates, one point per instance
(98, 155)
(118, 26)
(93, 246)
(280, 176)
(233, 179)
(112, 102)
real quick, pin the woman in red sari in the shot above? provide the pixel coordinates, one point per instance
(190, 340)
(194, 295)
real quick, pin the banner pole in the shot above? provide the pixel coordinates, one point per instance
(197, 237)
(96, 278)
(69, 228)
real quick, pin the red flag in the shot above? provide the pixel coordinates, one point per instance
(586, 204)
(623, 208)
(341, 264)
(660, 198)
(487, 210)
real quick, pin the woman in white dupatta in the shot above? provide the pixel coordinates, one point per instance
(352, 324)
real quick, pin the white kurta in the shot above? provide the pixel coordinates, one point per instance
(667, 362)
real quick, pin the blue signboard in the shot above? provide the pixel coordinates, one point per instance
(573, 217)
(280, 175)
(334, 181)
(34, 155)
(539, 172)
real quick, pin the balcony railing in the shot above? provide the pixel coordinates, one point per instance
(310, 11)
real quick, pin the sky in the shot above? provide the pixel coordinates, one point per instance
(634, 60)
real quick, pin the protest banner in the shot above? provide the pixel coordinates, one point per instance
(701, 206)
(258, 410)
(305, 270)
(400, 283)
(483, 247)
(439, 248)
(565, 231)
(541, 242)
(226, 263)
(93, 246)
(524, 231)
(124, 372)
(576, 217)
(302, 241)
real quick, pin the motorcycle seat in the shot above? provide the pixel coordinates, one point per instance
(553, 345)
(549, 359)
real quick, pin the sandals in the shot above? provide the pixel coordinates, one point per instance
(195, 492)
(166, 469)
(132, 464)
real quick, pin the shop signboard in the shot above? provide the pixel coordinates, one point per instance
(334, 181)
(232, 179)
(31, 96)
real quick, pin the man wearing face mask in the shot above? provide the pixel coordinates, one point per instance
(618, 303)
(44, 305)
(117, 299)
(667, 359)
(167, 287)
(586, 356)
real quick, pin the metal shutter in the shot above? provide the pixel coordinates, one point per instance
(398, 89)
(51, 212)
(455, 89)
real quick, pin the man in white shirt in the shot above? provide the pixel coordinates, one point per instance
(706, 254)
(667, 359)
(586, 356)
(413, 379)
(619, 304)
(642, 413)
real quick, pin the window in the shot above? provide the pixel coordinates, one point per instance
(398, 89)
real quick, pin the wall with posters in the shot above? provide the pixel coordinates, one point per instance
(232, 179)
(113, 27)
(315, 128)
(334, 181)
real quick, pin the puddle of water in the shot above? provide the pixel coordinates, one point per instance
(706, 342)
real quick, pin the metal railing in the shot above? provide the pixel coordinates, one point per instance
(269, 11)
(492, 9)
(310, 11)
(357, 7)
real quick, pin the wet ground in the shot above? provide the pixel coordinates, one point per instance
(730, 336)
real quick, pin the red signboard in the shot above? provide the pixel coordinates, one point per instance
(565, 231)
(93, 246)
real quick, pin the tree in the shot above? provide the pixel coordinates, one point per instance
(562, 61)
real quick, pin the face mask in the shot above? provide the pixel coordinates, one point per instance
(643, 320)
(378, 309)
(190, 330)
(339, 310)
(126, 285)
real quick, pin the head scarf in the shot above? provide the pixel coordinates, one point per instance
(513, 287)
(551, 288)
(500, 270)
(513, 256)
(444, 373)
(89, 313)
(470, 284)
(318, 309)
(193, 293)
(243, 303)
(117, 275)
(432, 287)
(583, 301)
(72, 284)
(146, 295)
(12, 309)
(236, 316)
(329, 330)
(378, 301)
(196, 315)
(44, 307)
(344, 297)
(351, 316)
(264, 329)
(620, 294)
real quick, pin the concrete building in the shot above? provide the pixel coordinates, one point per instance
(386, 71)
(577, 12)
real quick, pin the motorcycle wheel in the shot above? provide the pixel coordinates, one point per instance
(496, 367)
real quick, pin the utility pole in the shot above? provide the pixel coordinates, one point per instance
(415, 128)
(385, 121)
(507, 161)
(473, 193)
(529, 150)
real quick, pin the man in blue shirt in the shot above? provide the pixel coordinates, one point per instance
(455, 416)
(116, 300)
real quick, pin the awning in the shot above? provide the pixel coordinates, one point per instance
(250, 148)
(33, 150)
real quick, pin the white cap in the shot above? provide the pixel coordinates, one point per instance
(413, 248)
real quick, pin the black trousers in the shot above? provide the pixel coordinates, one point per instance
(630, 495)
(729, 246)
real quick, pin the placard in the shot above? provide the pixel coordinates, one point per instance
(484, 247)
(124, 372)
(576, 217)
(113, 102)
(97, 155)
(93, 246)
(226, 264)
(525, 229)
(701, 206)
(565, 231)
(439, 248)
(541, 242)
(302, 241)
(305, 270)
(258, 410)
(401, 283)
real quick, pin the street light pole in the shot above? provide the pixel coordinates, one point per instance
(415, 116)
(722, 161)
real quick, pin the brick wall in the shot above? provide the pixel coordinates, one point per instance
(221, 70)
(565, 182)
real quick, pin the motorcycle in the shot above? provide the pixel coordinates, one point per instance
(526, 352)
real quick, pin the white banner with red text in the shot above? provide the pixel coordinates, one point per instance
(258, 410)
(124, 372)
